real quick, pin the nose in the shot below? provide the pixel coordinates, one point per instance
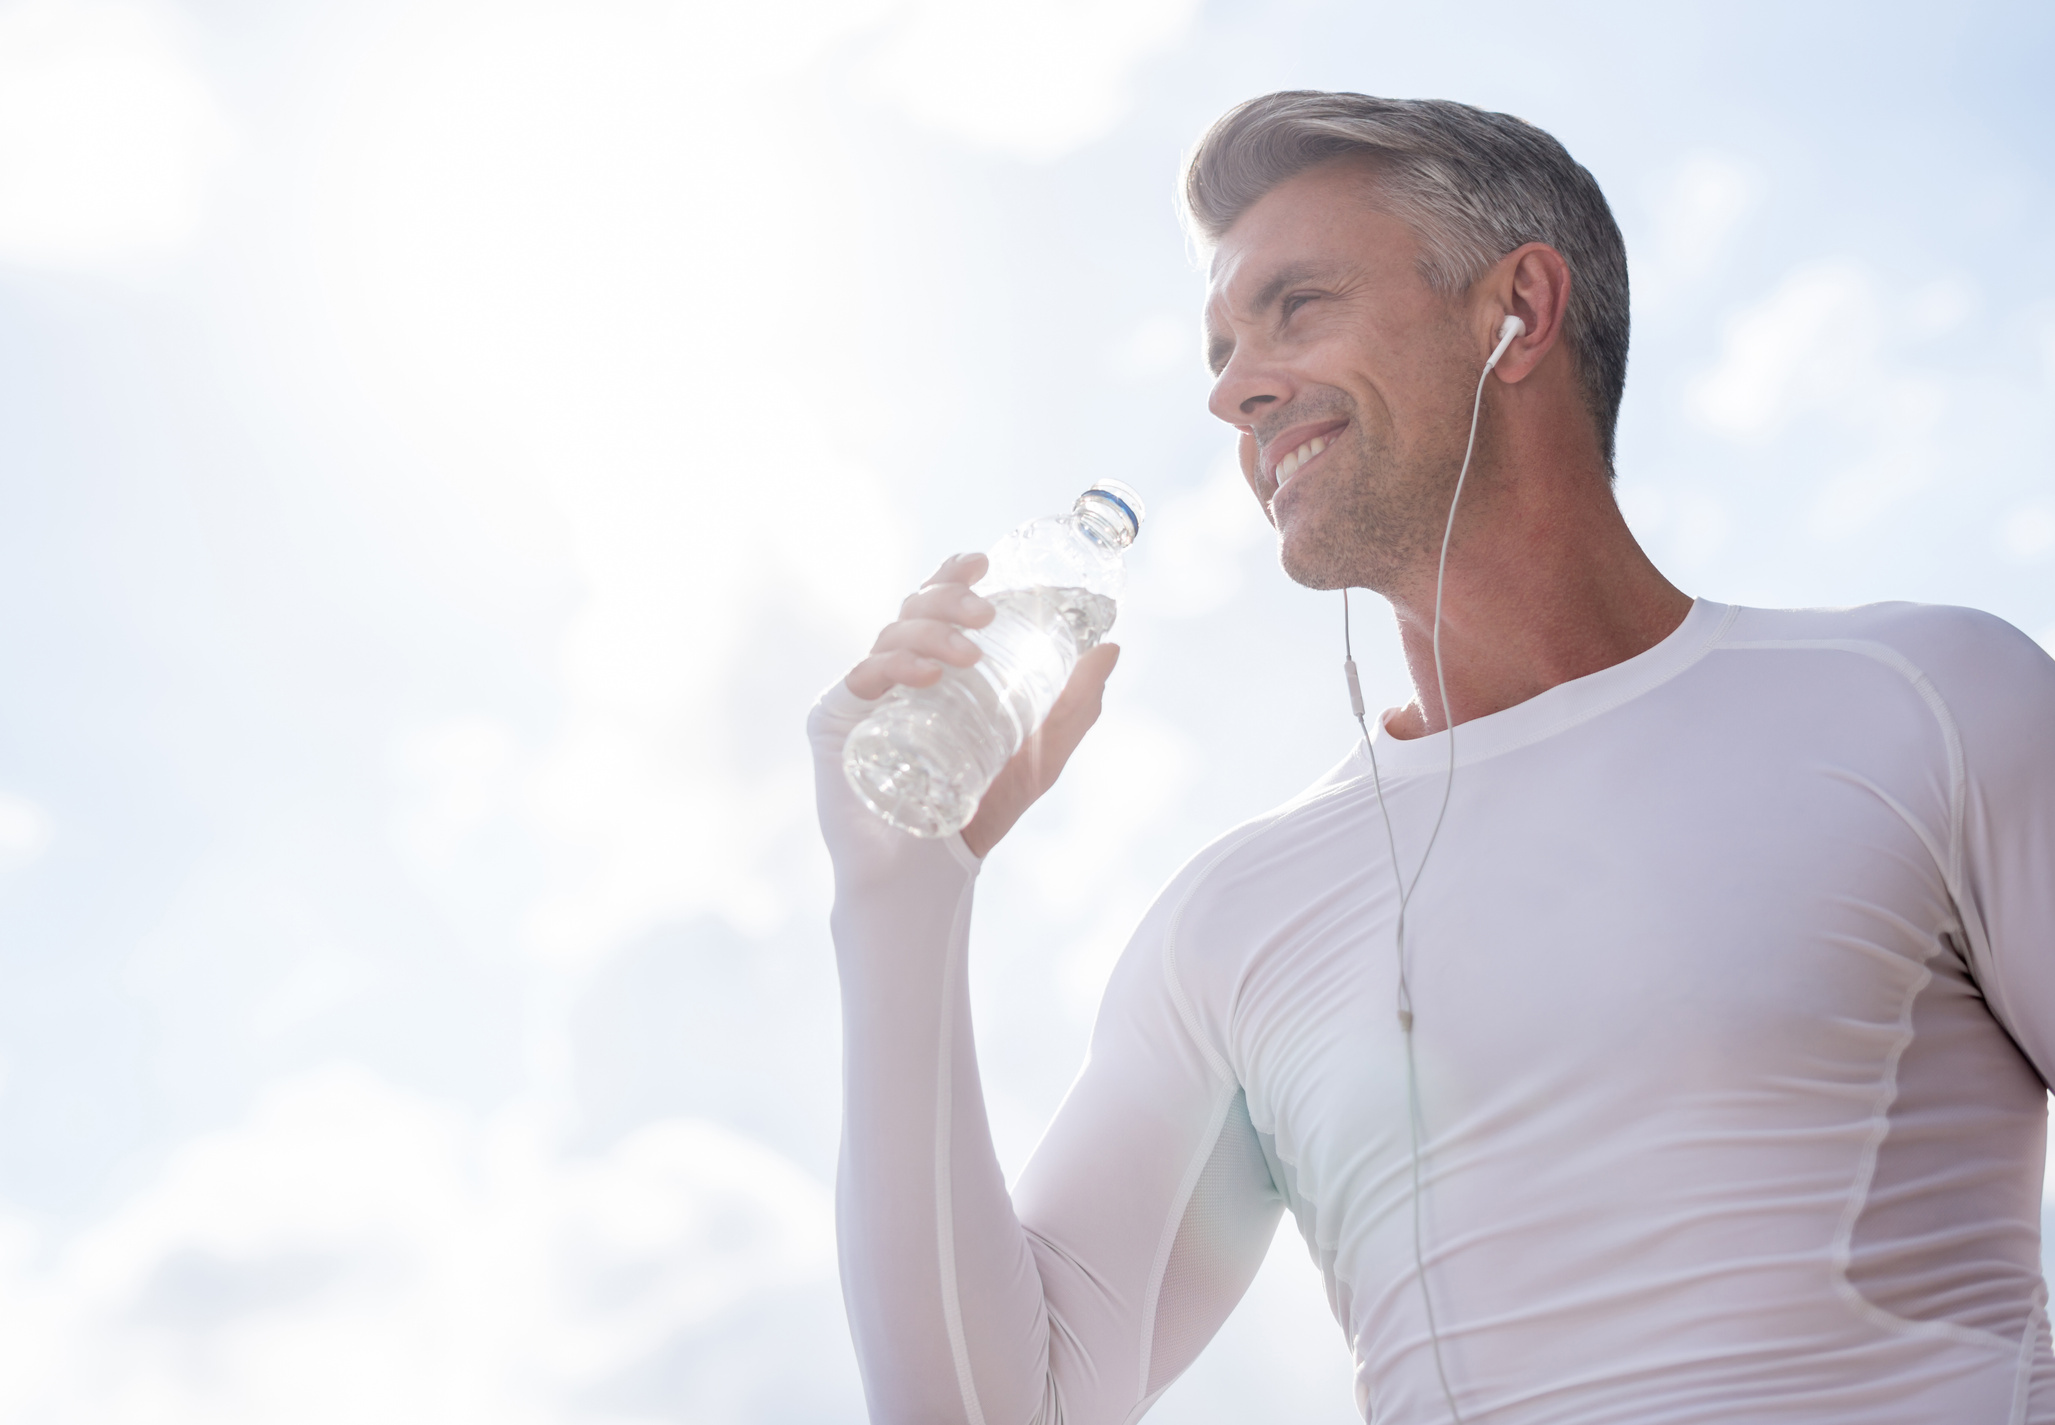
(1244, 387)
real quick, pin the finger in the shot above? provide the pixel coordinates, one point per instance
(960, 569)
(878, 674)
(953, 602)
(930, 638)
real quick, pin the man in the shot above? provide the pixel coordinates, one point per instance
(1728, 987)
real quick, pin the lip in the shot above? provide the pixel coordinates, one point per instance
(1275, 449)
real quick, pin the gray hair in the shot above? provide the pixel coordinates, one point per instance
(1473, 185)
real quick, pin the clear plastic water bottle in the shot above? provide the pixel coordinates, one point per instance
(925, 756)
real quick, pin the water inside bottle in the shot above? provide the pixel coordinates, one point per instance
(925, 768)
(1031, 644)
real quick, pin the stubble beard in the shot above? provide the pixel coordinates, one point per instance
(1380, 515)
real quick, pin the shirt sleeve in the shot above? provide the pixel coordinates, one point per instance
(1999, 688)
(1137, 1225)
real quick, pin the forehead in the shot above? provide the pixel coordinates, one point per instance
(1324, 222)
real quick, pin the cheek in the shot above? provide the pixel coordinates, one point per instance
(1247, 451)
(1392, 398)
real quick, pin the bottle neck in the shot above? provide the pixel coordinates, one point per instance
(1103, 521)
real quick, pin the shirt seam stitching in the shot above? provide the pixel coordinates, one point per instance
(1174, 1221)
(1937, 708)
(1944, 719)
(945, 1219)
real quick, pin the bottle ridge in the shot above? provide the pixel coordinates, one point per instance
(924, 757)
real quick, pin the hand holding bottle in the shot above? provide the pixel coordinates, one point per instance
(928, 637)
(928, 634)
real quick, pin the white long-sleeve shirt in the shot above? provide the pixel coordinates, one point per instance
(1734, 976)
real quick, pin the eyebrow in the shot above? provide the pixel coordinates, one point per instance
(1218, 345)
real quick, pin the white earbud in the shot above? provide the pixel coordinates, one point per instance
(1511, 327)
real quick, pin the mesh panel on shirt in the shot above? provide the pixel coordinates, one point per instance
(1221, 1240)
(1949, 1227)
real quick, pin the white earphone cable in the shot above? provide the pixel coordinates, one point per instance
(1511, 328)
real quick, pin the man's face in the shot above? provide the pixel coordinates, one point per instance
(1349, 377)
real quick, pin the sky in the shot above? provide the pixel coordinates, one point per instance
(445, 446)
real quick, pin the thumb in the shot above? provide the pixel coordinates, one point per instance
(1072, 716)
(1077, 707)
(1035, 767)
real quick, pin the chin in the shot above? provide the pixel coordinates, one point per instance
(1336, 537)
(1312, 562)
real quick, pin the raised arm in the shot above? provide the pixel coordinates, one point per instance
(1148, 1205)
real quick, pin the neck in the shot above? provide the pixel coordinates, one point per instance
(1545, 584)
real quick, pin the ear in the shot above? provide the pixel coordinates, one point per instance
(1532, 282)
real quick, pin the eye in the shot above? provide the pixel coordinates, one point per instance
(1295, 301)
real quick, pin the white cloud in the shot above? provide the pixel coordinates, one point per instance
(353, 1252)
(580, 305)
(1195, 553)
(1156, 344)
(1812, 342)
(1701, 205)
(1940, 306)
(25, 831)
(1082, 973)
(257, 936)
(2028, 533)
(1683, 527)
(322, 978)
(1125, 777)
(1034, 78)
(461, 772)
(1895, 436)
(1825, 344)
(107, 134)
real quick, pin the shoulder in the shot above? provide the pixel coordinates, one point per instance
(1262, 844)
(1218, 911)
(1900, 625)
(1218, 905)
(1941, 641)
(1995, 684)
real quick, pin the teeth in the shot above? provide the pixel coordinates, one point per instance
(1289, 466)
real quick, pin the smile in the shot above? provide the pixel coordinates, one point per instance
(1289, 466)
(1307, 442)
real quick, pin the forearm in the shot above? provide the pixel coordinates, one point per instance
(944, 1299)
(962, 1313)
